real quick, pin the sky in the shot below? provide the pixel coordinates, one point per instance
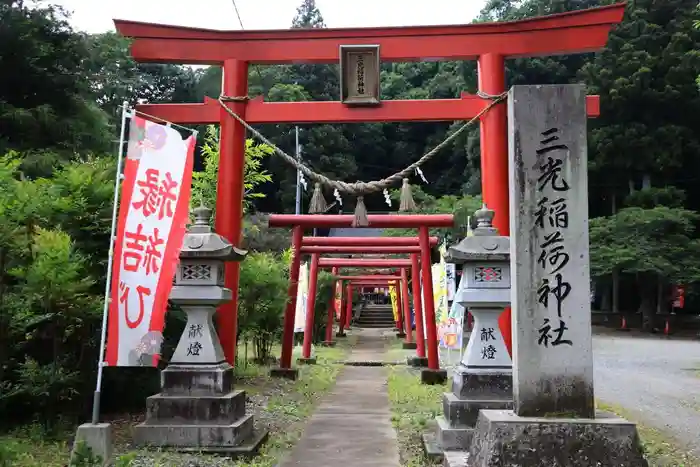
(95, 16)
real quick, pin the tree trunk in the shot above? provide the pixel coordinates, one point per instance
(616, 272)
(647, 304)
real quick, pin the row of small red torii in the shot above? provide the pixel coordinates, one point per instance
(418, 247)
(491, 44)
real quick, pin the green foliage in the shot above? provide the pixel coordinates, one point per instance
(83, 456)
(204, 183)
(462, 207)
(49, 302)
(44, 98)
(324, 295)
(262, 298)
(655, 241)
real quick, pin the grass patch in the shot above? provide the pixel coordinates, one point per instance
(413, 408)
(279, 405)
(25, 448)
(660, 449)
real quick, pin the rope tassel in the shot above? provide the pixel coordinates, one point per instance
(318, 203)
(361, 219)
(406, 200)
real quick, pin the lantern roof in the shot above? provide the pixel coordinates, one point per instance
(483, 245)
(202, 242)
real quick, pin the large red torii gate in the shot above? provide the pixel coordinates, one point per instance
(488, 43)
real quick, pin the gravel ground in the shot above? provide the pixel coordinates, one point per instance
(656, 380)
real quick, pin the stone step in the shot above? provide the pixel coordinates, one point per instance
(456, 458)
(376, 326)
(375, 320)
(450, 438)
(192, 436)
(462, 413)
(179, 410)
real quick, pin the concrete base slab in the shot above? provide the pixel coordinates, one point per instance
(328, 344)
(431, 448)
(410, 345)
(286, 373)
(98, 437)
(503, 439)
(306, 361)
(194, 436)
(428, 376)
(340, 334)
(417, 362)
(249, 447)
(451, 438)
(464, 412)
(401, 335)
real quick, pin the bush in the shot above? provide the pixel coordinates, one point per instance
(262, 299)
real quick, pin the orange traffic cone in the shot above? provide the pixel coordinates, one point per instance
(667, 328)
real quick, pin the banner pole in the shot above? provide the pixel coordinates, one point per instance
(110, 260)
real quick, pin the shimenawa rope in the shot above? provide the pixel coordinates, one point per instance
(357, 189)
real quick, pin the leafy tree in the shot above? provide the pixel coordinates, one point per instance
(657, 245)
(646, 79)
(204, 183)
(115, 77)
(262, 299)
(461, 207)
(308, 16)
(44, 97)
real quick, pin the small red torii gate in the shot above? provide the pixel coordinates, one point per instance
(379, 245)
(488, 43)
(421, 222)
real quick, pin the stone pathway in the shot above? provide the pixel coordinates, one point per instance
(352, 426)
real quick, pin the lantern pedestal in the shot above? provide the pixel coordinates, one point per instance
(484, 377)
(198, 408)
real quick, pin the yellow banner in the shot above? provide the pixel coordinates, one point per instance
(394, 305)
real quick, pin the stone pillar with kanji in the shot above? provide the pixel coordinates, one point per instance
(483, 379)
(554, 420)
(198, 408)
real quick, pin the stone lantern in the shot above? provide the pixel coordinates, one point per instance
(198, 408)
(483, 379)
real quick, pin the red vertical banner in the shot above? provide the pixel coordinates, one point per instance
(153, 215)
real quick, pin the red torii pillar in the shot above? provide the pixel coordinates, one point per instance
(490, 43)
(329, 342)
(420, 359)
